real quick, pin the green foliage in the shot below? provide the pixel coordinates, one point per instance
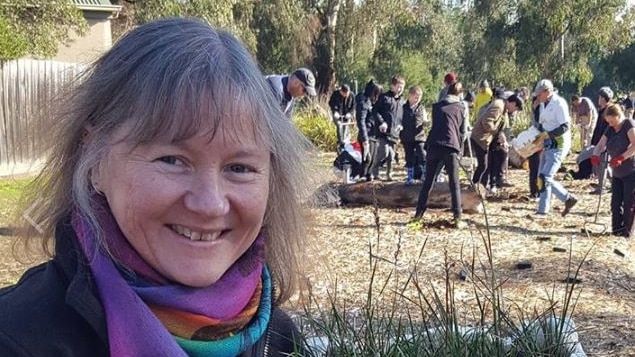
(37, 27)
(234, 15)
(11, 190)
(512, 42)
(317, 126)
(282, 44)
(12, 44)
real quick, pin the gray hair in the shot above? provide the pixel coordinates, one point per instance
(153, 81)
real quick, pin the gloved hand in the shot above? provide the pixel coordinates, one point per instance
(595, 160)
(616, 161)
(366, 150)
(383, 127)
(544, 135)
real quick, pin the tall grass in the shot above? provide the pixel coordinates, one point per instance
(407, 315)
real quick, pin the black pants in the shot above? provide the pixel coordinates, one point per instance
(368, 164)
(534, 164)
(497, 160)
(439, 156)
(622, 205)
(415, 153)
(481, 173)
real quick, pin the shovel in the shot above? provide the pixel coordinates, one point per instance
(595, 227)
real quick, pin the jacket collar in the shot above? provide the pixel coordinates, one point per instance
(451, 98)
(81, 293)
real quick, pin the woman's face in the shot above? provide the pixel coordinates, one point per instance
(189, 208)
(613, 120)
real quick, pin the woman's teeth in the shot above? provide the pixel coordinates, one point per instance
(193, 235)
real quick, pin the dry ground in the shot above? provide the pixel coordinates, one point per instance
(343, 239)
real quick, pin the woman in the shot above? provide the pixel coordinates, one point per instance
(619, 141)
(412, 135)
(367, 130)
(173, 202)
(443, 148)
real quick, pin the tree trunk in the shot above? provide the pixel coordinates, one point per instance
(397, 194)
(325, 48)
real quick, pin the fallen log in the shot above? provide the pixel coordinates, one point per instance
(397, 194)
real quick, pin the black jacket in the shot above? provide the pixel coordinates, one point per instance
(366, 128)
(54, 310)
(388, 110)
(341, 105)
(600, 127)
(413, 121)
(448, 124)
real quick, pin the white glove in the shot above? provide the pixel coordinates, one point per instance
(383, 127)
(366, 149)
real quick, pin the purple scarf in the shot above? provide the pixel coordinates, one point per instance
(133, 330)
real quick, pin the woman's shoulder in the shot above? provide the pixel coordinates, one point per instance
(283, 332)
(38, 316)
(35, 282)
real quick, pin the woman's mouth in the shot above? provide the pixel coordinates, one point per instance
(195, 235)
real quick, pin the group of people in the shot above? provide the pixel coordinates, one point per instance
(607, 139)
(483, 123)
(384, 120)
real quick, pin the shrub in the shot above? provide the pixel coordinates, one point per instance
(315, 123)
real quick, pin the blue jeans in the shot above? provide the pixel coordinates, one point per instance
(550, 162)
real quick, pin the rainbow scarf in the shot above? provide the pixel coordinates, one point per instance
(148, 316)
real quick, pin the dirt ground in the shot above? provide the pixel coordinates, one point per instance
(345, 241)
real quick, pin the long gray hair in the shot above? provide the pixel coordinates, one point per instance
(166, 80)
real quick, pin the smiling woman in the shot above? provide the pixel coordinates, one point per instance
(172, 193)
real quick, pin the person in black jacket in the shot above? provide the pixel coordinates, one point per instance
(412, 135)
(173, 219)
(342, 104)
(367, 130)
(605, 97)
(444, 146)
(387, 112)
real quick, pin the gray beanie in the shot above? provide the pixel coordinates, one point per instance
(606, 93)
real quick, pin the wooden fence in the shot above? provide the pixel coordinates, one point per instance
(27, 88)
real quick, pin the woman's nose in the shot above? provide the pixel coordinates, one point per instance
(207, 196)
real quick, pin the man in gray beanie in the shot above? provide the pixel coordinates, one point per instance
(554, 123)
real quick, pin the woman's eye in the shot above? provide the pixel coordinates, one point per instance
(170, 160)
(239, 169)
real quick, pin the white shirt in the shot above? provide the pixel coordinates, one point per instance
(555, 114)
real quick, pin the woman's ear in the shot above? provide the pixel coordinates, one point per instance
(88, 142)
(95, 178)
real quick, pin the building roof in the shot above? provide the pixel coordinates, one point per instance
(97, 5)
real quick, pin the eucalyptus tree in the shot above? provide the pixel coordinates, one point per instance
(513, 41)
(37, 27)
(233, 15)
(284, 33)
